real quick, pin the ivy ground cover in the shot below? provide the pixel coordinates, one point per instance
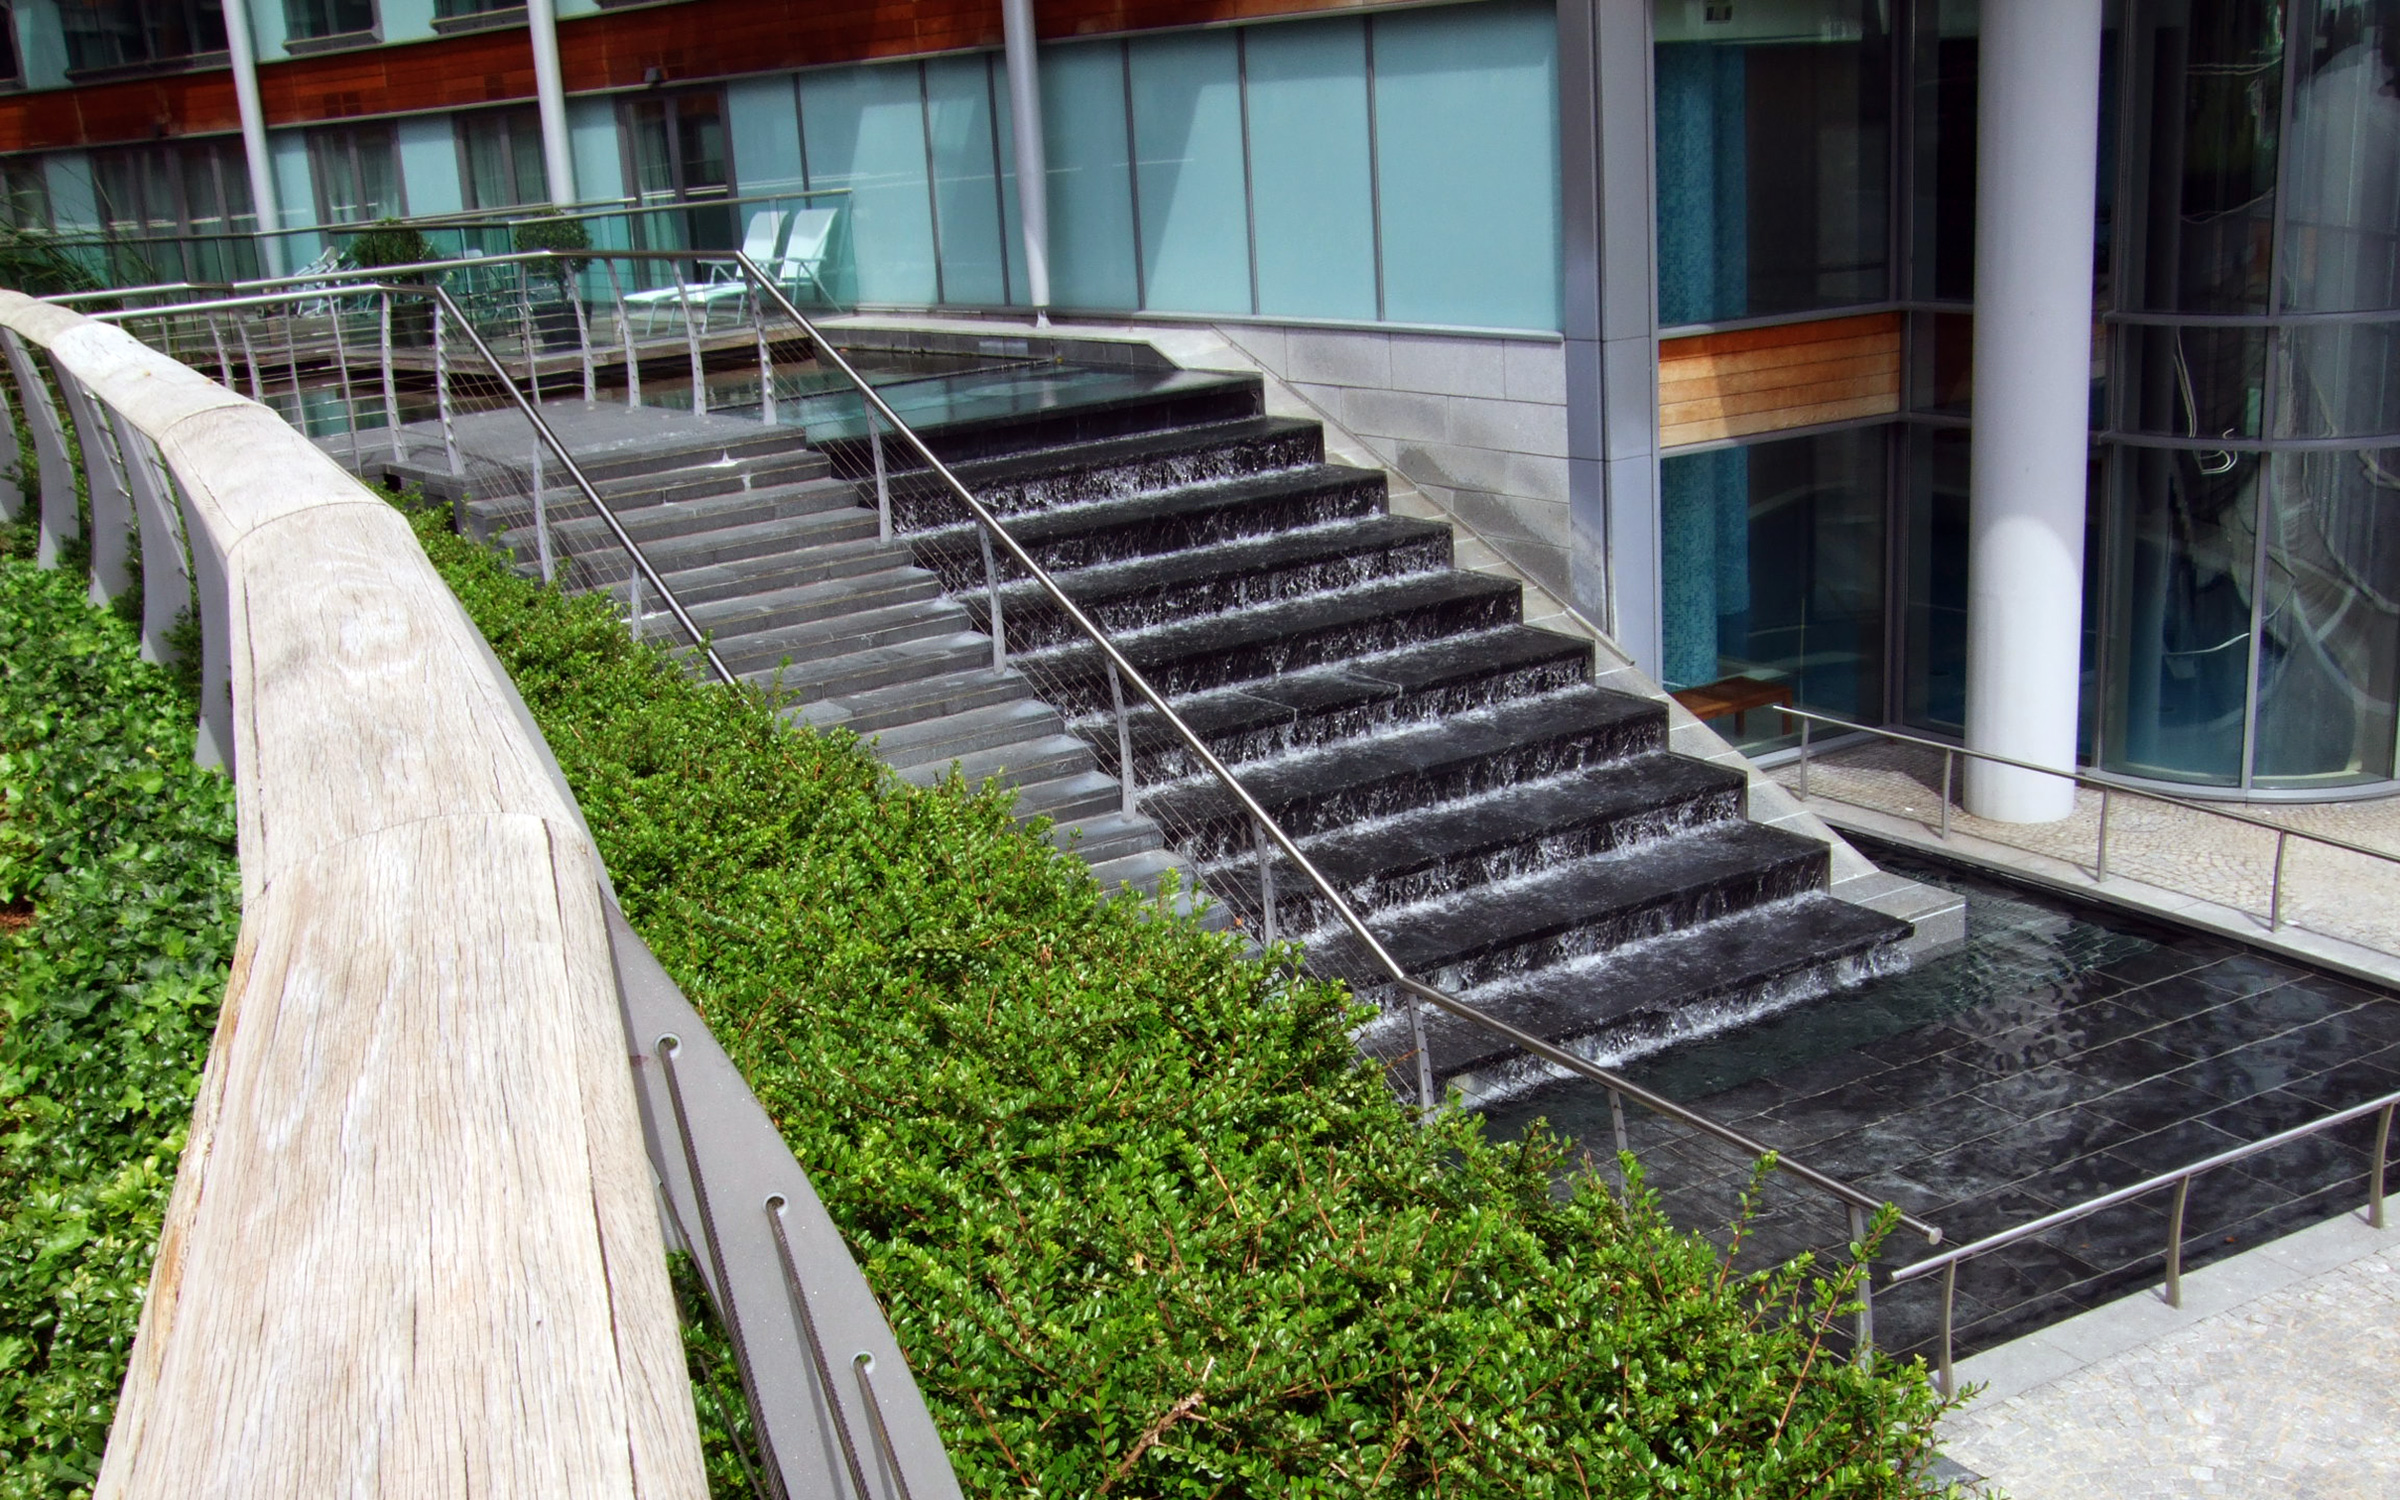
(1143, 1221)
(119, 899)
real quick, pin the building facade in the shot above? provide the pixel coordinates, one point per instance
(1675, 301)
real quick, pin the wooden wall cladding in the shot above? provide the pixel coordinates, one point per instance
(687, 43)
(1726, 385)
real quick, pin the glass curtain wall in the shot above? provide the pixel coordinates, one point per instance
(357, 178)
(134, 33)
(500, 154)
(678, 154)
(1774, 147)
(2255, 574)
(314, 18)
(1399, 167)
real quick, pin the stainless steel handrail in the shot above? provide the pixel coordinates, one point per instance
(2108, 789)
(1127, 673)
(541, 428)
(2180, 1179)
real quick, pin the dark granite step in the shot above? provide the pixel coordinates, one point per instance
(940, 739)
(862, 670)
(1017, 763)
(659, 523)
(1339, 700)
(1509, 834)
(759, 539)
(1115, 468)
(1588, 906)
(1407, 769)
(1703, 978)
(1161, 522)
(970, 427)
(718, 582)
(817, 642)
(1254, 644)
(1152, 591)
(880, 708)
(768, 609)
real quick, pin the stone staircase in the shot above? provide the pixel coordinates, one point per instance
(1513, 832)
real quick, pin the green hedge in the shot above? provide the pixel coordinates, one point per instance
(121, 897)
(1142, 1219)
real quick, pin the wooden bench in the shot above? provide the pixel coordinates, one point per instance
(1737, 696)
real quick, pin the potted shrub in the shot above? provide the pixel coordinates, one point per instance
(554, 318)
(389, 242)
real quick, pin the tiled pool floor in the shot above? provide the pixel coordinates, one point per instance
(2064, 1052)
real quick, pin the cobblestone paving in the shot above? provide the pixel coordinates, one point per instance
(2330, 891)
(2288, 1397)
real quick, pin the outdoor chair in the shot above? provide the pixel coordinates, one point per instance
(724, 282)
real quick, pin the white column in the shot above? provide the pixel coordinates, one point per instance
(2036, 148)
(1033, 166)
(550, 99)
(242, 51)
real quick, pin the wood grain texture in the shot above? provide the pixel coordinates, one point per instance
(1723, 385)
(413, 1249)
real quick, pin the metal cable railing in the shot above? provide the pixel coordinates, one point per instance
(850, 416)
(1948, 1262)
(2111, 792)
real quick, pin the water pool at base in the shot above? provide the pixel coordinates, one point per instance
(2068, 1049)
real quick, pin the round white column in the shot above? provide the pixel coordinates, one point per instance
(550, 101)
(2035, 156)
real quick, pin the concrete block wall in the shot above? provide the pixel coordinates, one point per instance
(1477, 421)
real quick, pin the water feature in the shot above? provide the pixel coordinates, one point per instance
(2067, 1050)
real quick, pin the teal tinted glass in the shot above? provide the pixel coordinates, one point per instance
(1466, 137)
(864, 129)
(1187, 136)
(966, 193)
(1311, 178)
(1091, 183)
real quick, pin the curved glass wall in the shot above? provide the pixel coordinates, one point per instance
(2253, 537)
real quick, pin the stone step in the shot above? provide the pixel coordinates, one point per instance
(860, 671)
(1017, 763)
(972, 428)
(1111, 835)
(914, 700)
(1069, 799)
(1260, 643)
(819, 643)
(1162, 521)
(938, 740)
(1118, 467)
(1141, 871)
(1340, 700)
(1704, 978)
(684, 518)
(1144, 593)
(676, 555)
(769, 609)
(1404, 770)
(1587, 907)
(718, 582)
(1509, 834)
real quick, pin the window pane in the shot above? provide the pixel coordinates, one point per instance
(864, 130)
(958, 101)
(1934, 687)
(653, 162)
(1091, 186)
(2186, 535)
(1466, 136)
(1773, 130)
(1309, 172)
(700, 143)
(2329, 640)
(2339, 380)
(1771, 570)
(2195, 382)
(2341, 183)
(1187, 132)
(1944, 83)
(2208, 80)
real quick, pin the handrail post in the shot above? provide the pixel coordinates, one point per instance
(533, 368)
(391, 388)
(1865, 1354)
(633, 358)
(441, 390)
(1804, 723)
(2283, 840)
(1125, 774)
(541, 516)
(1949, 761)
(341, 363)
(2183, 1191)
(883, 487)
(216, 336)
(991, 584)
(1426, 1098)
(1266, 884)
(691, 339)
(766, 368)
(2100, 858)
(583, 331)
(2383, 1146)
(1616, 1125)
(1949, 1375)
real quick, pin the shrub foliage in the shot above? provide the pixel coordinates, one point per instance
(1142, 1219)
(119, 899)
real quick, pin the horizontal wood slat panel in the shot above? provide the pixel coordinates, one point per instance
(688, 43)
(1752, 380)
